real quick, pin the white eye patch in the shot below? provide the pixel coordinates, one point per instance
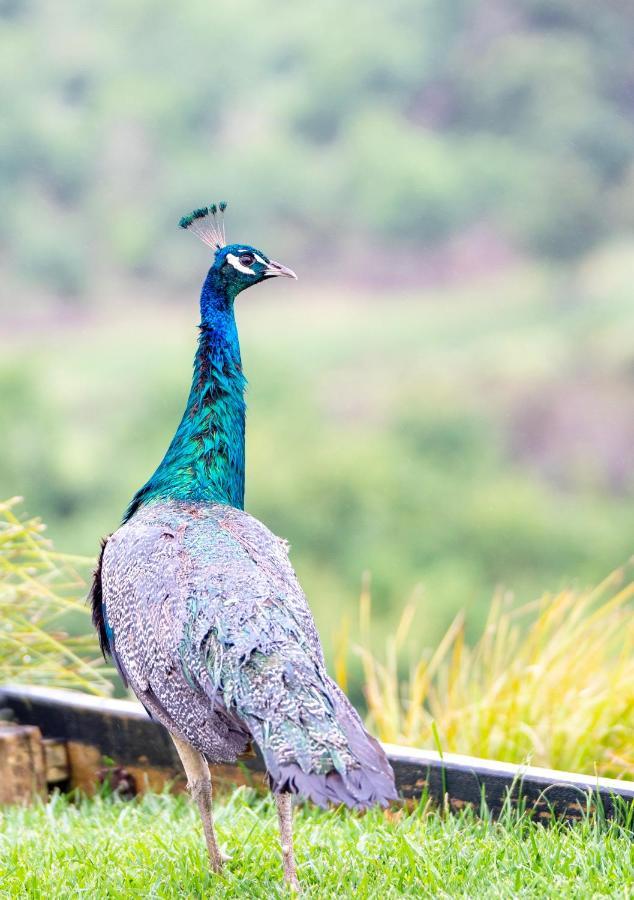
(235, 262)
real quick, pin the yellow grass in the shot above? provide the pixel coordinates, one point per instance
(41, 591)
(551, 683)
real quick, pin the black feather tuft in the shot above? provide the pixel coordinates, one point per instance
(136, 502)
(95, 598)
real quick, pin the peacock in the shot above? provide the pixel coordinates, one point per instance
(199, 607)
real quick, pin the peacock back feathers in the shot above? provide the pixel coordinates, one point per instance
(215, 636)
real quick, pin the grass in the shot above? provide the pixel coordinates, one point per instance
(40, 593)
(551, 683)
(153, 847)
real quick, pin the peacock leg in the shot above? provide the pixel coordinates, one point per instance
(199, 785)
(285, 818)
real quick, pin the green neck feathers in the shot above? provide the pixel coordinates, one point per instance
(205, 460)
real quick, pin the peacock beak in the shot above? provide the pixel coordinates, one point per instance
(274, 268)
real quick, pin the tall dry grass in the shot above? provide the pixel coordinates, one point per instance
(551, 683)
(42, 593)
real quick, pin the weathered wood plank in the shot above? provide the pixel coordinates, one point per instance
(94, 728)
(56, 758)
(461, 780)
(22, 766)
(121, 730)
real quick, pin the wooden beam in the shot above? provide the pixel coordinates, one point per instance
(22, 765)
(460, 780)
(122, 731)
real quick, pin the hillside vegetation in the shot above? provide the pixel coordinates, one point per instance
(445, 400)
(462, 442)
(356, 143)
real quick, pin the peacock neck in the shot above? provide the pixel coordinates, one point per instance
(205, 460)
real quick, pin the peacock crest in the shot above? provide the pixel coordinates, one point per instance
(208, 224)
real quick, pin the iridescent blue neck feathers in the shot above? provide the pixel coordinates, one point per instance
(205, 460)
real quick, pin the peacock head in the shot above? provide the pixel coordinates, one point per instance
(235, 266)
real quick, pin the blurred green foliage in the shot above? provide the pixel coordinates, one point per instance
(402, 122)
(477, 442)
(462, 438)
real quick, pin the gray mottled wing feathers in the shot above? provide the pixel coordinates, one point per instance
(216, 638)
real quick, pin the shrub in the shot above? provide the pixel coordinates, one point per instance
(551, 683)
(41, 601)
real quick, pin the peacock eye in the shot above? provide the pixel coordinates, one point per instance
(247, 259)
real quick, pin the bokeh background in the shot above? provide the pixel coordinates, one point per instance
(445, 399)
